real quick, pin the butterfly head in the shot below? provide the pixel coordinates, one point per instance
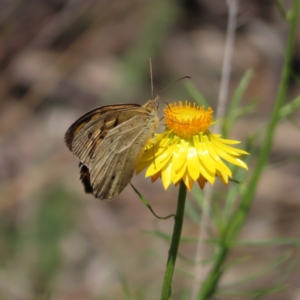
(152, 104)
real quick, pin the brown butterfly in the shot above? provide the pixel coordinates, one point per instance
(109, 142)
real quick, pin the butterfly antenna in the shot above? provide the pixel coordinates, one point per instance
(185, 77)
(151, 77)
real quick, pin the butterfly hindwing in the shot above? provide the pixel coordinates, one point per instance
(111, 175)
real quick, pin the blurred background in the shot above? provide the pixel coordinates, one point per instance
(58, 60)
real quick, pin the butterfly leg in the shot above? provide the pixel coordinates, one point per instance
(153, 144)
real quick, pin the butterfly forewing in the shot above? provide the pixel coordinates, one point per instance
(88, 131)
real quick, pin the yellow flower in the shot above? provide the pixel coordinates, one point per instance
(187, 151)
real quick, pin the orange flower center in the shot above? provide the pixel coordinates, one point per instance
(187, 120)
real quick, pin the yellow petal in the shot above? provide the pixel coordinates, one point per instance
(142, 165)
(158, 163)
(201, 182)
(223, 177)
(188, 180)
(152, 170)
(166, 174)
(179, 157)
(155, 176)
(204, 155)
(225, 141)
(219, 163)
(225, 148)
(193, 166)
(231, 159)
(159, 147)
(206, 164)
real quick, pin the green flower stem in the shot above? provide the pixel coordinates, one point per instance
(275, 117)
(166, 289)
(211, 282)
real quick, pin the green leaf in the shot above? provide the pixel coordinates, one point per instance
(236, 99)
